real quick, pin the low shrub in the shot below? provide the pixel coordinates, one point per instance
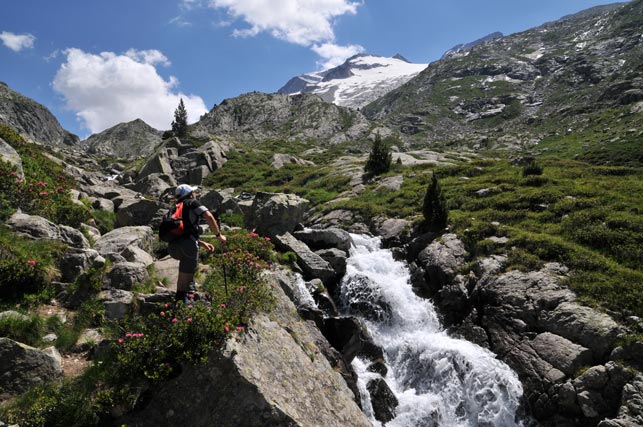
(27, 331)
(20, 275)
(44, 189)
(532, 168)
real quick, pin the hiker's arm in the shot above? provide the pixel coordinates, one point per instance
(214, 227)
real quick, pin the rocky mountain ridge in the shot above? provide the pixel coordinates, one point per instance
(125, 141)
(516, 90)
(32, 120)
(462, 48)
(257, 116)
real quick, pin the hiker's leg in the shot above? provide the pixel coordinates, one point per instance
(183, 282)
(187, 267)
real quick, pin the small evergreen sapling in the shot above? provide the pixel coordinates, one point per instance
(436, 213)
(380, 158)
(180, 123)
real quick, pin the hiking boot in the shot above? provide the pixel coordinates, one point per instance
(192, 288)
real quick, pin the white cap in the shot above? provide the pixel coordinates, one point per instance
(184, 190)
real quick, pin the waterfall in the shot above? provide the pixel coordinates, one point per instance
(438, 380)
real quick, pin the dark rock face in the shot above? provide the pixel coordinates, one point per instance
(32, 120)
(383, 400)
(23, 367)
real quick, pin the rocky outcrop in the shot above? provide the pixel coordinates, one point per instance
(259, 116)
(23, 367)
(118, 241)
(133, 212)
(274, 374)
(8, 154)
(325, 238)
(273, 214)
(32, 120)
(37, 227)
(125, 141)
(76, 261)
(393, 231)
(441, 260)
(313, 265)
(534, 325)
(175, 162)
(281, 160)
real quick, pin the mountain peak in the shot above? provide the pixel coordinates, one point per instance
(401, 58)
(125, 141)
(463, 47)
(362, 78)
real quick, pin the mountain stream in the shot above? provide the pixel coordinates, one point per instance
(438, 380)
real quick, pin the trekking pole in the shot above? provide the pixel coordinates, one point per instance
(225, 280)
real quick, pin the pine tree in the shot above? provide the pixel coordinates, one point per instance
(380, 158)
(180, 123)
(436, 213)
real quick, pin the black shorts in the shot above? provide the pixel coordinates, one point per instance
(186, 250)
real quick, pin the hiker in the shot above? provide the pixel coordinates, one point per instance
(186, 248)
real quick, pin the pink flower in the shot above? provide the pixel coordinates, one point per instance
(253, 234)
(121, 340)
(190, 306)
(189, 320)
(223, 306)
(191, 296)
(227, 328)
(128, 335)
(267, 239)
(31, 262)
(162, 313)
(175, 320)
(166, 305)
(239, 328)
(43, 193)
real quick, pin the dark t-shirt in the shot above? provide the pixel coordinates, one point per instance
(195, 210)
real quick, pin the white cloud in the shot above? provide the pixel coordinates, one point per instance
(333, 55)
(107, 89)
(150, 57)
(17, 42)
(303, 22)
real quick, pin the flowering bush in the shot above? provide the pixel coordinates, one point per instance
(19, 276)
(147, 350)
(44, 189)
(250, 242)
(238, 264)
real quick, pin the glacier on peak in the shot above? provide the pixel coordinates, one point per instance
(360, 80)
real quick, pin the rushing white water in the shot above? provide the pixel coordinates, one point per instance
(438, 380)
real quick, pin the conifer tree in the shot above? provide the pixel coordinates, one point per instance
(380, 158)
(180, 123)
(436, 213)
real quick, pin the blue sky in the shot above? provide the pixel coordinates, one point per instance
(95, 63)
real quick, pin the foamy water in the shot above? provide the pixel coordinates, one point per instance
(438, 380)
